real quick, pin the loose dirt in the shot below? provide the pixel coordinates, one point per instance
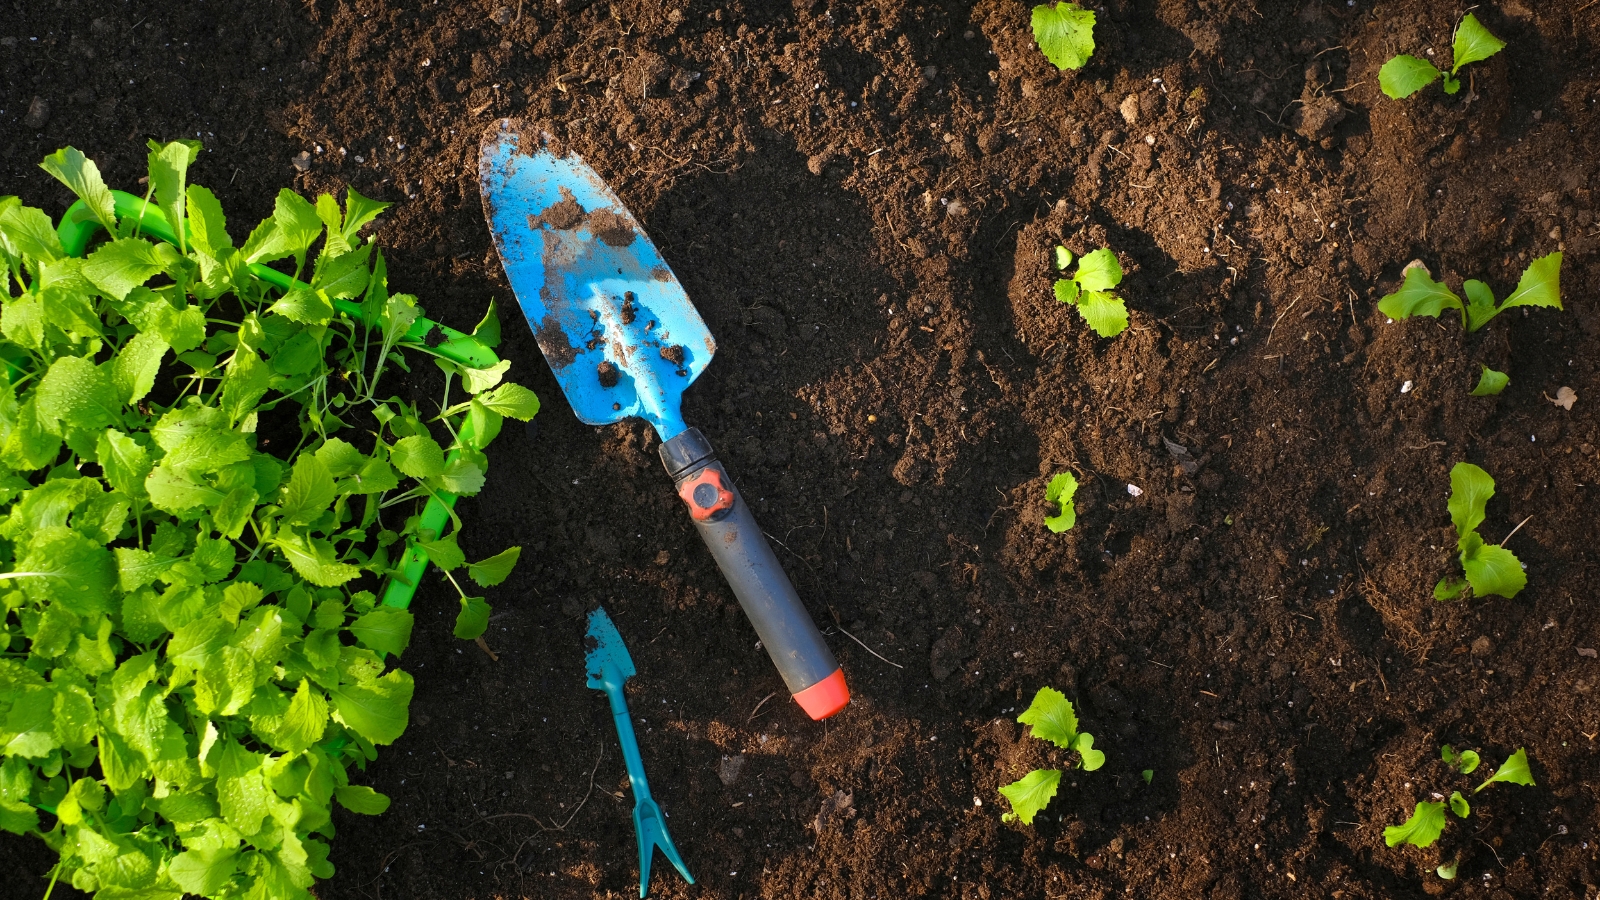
(862, 200)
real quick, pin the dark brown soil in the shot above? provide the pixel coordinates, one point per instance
(862, 200)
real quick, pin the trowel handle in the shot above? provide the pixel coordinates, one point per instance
(740, 548)
(630, 743)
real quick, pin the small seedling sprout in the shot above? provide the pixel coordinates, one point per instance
(1404, 75)
(1489, 569)
(1089, 289)
(1064, 33)
(1428, 819)
(1059, 493)
(1420, 295)
(1052, 719)
(1490, 382)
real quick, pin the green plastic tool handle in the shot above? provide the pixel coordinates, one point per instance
(79, 225)
(611, 684)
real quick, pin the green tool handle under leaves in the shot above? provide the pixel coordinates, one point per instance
(78, 228)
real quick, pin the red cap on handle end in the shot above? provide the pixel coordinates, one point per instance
(826, 697)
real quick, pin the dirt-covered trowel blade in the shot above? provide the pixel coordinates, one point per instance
(604, 648)
(614, 323)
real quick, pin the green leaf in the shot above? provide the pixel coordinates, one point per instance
(124, 461)
(1540, 284)
(375, 477)
(1420, 295)
(29, 444)
(244, 384)
(203, 873)
(1105, 313)
(1470, 490)
(1403, 76)
(1031, 794)
(1064, 33)
(376, 709)
(242, 791)
(511, 400)
(1092, 759)
(340, 457)
(462, 476)
(1098, 271)
(358, 798)
(134, 370)
(1490, 382)
(476, 381)
(308, 307)
(304, 722)
(495, 569)
(79, 392)
(315, 560)
(1062, 257)
(207, 225)
(419, 456)
(169, 168)
(1515, 771)
(29, 728)
(1473, 43)
(122, 265)
(1464, 762)
(384, 630)
(310, 491)
(487, 331)
(1492, 570)
(137, 568)
(473, 619)
(1449, 588)
(173, 491)
(1421, 830)
(1067, 291)
(444, 553)
(342, 276)
(29, 231)
(297, 221)
(358, 211)
(1060, 491)
(1459, 805)
(16, 782)
(82, 177)
(68, 569)
(226, 682)
(1052, 718)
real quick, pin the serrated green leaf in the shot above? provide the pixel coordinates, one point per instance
(296, 220)
(1473, 43)
(384, 630)
(16, 810)
(137, 568)
(418, 456)
(242, 791)
(1540, 284)
(1403, 76)
(1105, 313)
(203, 873)
(340, 457)
(1060, 491)
(244, 384)
(358, 798)
(473, 619)
(1490, 382)
(358, 211)
(75, 721)
(315, 560)
(1421, 830)
(462, 476)
(122, 265)
(79, 392)
(207, 225)
(1492, 570)
(29, 231)
(22, 322)
(29, 728)
(1420, 295)
(495, 569)
(511, 400)
(124, 461)
(172, 491)
(1052, 717)
(1067, 291)
(68, 569)
(1064, 33)
(82, 177)
(444, 553)
(29, 444)
(343, 276)
(169, 168)
(1470, 490)
(226, 681)
(303, 305)
(1515, 771)
(136, 366)
(1449, 588)
(310, 490)
(488, 328)
(375, 477)
(1029, 795)
(377, 709)
(1098, 271)
(304, 722)
(476, 381)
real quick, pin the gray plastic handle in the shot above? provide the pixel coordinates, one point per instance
(740, 548)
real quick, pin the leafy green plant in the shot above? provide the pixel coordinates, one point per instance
(1428, 821)
(1052, 719)
(203, 487)
(1064, 33)
(1089, 289)
(1490, 382)
(1060, 492)
(1489, 569)
(1404, 75)
(1420, 295)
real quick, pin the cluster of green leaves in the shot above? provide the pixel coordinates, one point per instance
(1489, 569)
(1089, 289)
(1059, 493)
(1064, 33)
(1052, 719)
(191, 651)
(1420, 295)
(1404, 75)
(1427, 818)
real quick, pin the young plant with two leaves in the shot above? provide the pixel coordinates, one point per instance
(1052, 719)
(1489, 569)
(1090, 290)
(1428, 819)
(1404, 75)
(203, 488)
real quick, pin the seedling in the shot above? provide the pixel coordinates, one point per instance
(1053, 720)
(1060, 492)
(1405, 75)
(1065, 33)
(1420, 295)
(1489, 569)
(1089, 289)
(1427, 820)
(1490, 383)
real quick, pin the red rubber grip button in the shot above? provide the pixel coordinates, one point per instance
(826, 697)
(705, 494)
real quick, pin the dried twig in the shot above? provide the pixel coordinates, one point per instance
(865, 647)
(1515, 530)
(763, 702)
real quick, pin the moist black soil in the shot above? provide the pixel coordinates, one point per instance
(862, 200)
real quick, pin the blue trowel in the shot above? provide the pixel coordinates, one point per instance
(623, 339)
